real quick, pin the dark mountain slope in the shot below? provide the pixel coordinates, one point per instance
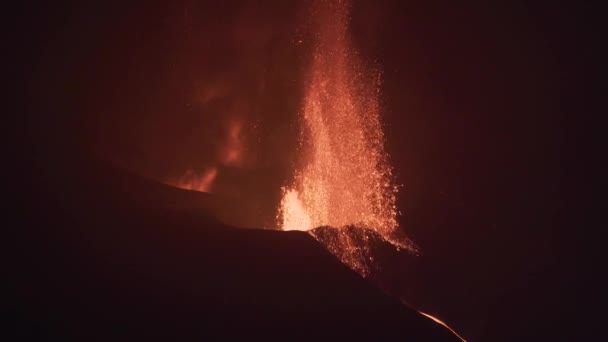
(101, 254)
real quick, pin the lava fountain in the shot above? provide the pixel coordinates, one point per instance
(344, 179)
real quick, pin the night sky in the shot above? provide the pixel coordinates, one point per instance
(481, 104)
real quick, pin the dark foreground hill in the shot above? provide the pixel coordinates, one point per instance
(103, 255)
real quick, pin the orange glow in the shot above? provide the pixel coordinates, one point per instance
(437, 320)
(192, 181)
(232, 153)
(293, 211)
(344, 178)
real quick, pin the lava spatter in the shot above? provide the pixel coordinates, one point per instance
(345, 178)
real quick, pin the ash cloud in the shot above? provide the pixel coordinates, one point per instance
(171, 90)
(159, 89)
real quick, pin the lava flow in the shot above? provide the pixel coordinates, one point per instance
(344, 178)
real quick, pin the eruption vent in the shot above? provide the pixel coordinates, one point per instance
(344, 178)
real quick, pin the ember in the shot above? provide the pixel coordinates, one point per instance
(345, 178)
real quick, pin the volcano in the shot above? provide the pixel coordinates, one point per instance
(119, 256)
(481, 110)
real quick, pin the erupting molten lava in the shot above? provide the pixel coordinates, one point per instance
(345, 178)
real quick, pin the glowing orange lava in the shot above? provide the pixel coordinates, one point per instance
(345, 178)
(193, 181)
(437, 320)
(232, 153)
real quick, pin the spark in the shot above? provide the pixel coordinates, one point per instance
(346, 178)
